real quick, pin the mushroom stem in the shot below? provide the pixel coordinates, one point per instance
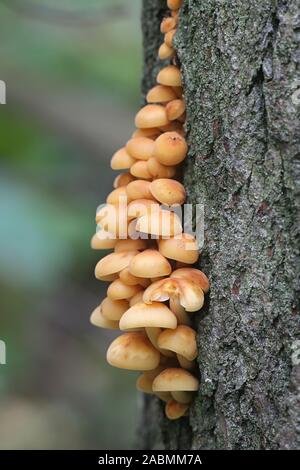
(185, 363)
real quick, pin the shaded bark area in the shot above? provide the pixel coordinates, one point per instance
(240, 66)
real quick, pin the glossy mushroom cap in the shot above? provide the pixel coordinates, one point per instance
(142, 315)
(170, 148)
(130, 245)
(98, 319)
(168, 191)
(133, 351)
(182, 341)
(140, 170)
(160, 224)
(161, 94)
(123, 179)
(165, 51)
(121, 160)
(183, 248)
(175, 379)
(151, 115)
(139, 189)
(194, 275)
(149, 263)
(113, 309)
(175, 410)
(140, 207)
(113, 263)
(169, 76)
(174, 4)
(103, 240)
(157, 170)
(175, 109)
(140, 148)
(118, 290)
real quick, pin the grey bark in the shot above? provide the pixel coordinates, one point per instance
(240, 67)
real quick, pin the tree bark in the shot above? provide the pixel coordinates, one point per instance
(240, 67)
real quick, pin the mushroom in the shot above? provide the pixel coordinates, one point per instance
(169, 76)
(140, 148)
(113, 219)
(121, 160)
(189, 294)
(157, 170)
(139, 189)
(133, 351)
(123, 179)
(175, 109)
(141, 207)
(118, 196)
(195, 275)
(113, 263)
(149, 263)
(113, 309)
(118, 290)
(141, 315)
(151, 115)
(168, 191)
(174, 4)
(161, 224)
(130, 245)
(182, 248)
(161, 94)
(170, 148)
(103, 240)
(175, 380)
(167, 24)
(165, 52)
(181, 341)
(136, 298)
(140, 170)
(182, 317)
(169, 37)
(175, 410)
(131, 280)
(153, 334)
(97, 319)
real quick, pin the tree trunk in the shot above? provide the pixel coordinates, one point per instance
(240, 67)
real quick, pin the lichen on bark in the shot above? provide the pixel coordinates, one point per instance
(240, 67)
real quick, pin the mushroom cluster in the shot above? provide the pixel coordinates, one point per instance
(153, 286)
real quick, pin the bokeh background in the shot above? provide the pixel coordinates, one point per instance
(72, 69)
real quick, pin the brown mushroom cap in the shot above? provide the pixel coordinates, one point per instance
(167, 24)
(175, 379)
(149, 263)
(150, 132)
(144, 383)
(170, 148)
(162, 224)
(118, 196)
(131, 280)
(98, 319)
(174, 4)
(169, 37)
(169, 76)
(161, 94)
(113, 309)
(113, 219)
(140, 170)
(140, 148)
(113, 263)
(140, 207)
(118, 290)
(130, 245)
(157, 170)
(136, 298)
(103, 240)
(175, 109)
(153, 334)
(165, 51)
(142, 315)
(123, 179)
(151, 115)
(139, 189)
(195, 275)
(182, 341)
(168, 191)
(175, 410)
(133, 351)
(121, 160)
(182, 248)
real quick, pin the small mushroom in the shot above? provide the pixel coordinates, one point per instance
(123, 179)
(182, 248)
(130, 245)
(151, 115)
(141, 315)
(97, 319)
(139, 189)
(169, 76)
(170, 148)
(165, 52)
(167, 24)
(175, 410)
(168, 191)
(113, 263)
(153, 334)
(161, 224)
(192, 274)
(121, 160)
(140, 148)
(118, 196)
(157, 170)
(175, 380)
(182, 317)
(149, 263)
(181, 341)
(140, 170)
(133, 351)
(113, 219)
(141, 207)
(169, 37)
(113, 309)
(161, 94)
(136, 298)
(118, 290)
(174, 4)
(175, 109)
(131, 280)
(103, 240)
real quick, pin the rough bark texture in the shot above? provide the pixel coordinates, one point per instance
(240, 66)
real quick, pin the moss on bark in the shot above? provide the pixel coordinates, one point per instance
(240, 66)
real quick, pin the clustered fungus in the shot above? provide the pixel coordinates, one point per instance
(153, 286)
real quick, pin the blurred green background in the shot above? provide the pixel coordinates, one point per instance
(72, 70)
